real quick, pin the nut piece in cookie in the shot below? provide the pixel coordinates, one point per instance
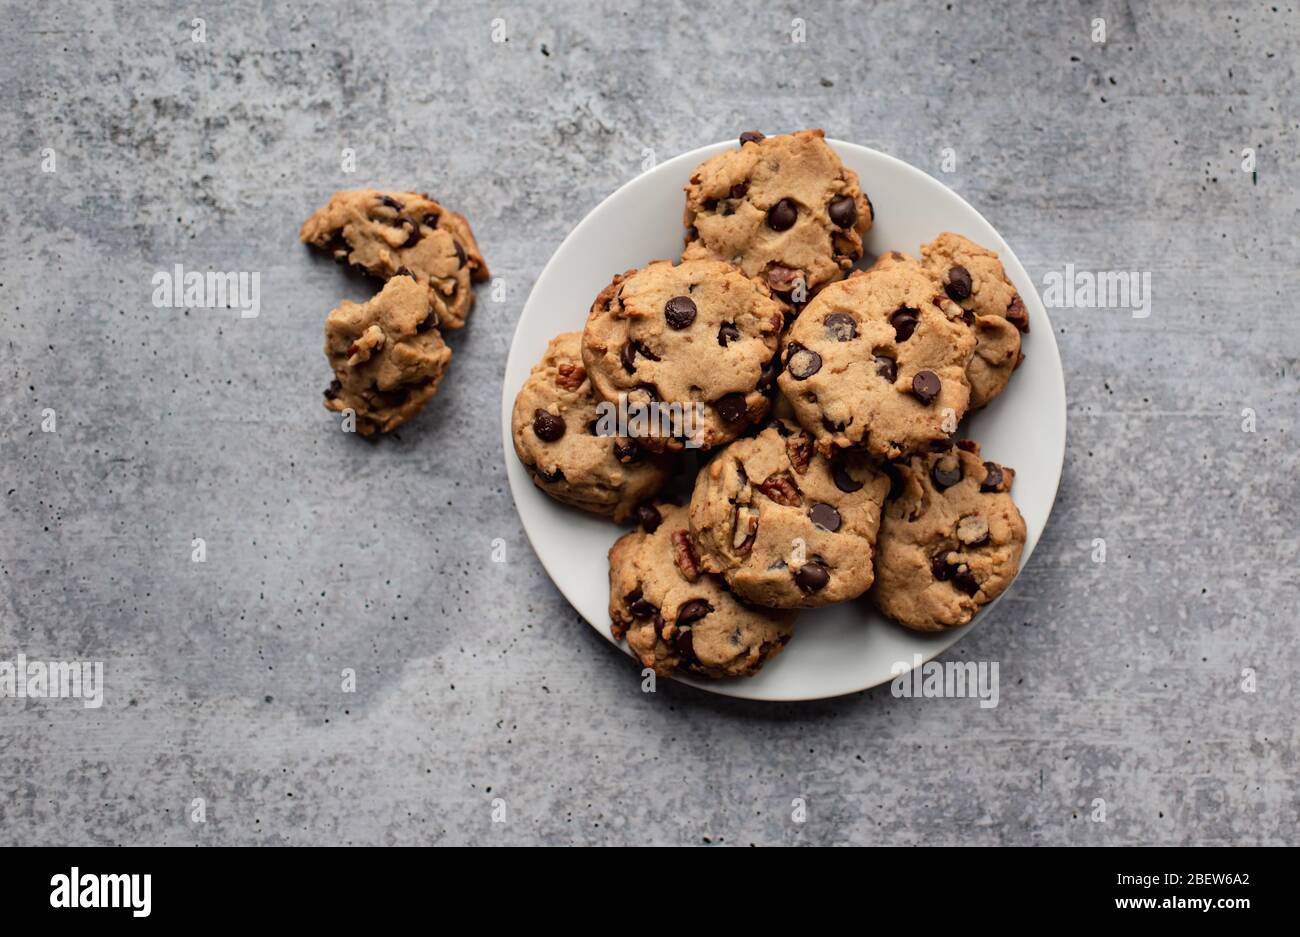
(973, 278)
(560, 437)
(785, 526)
(685, 351)
(391, 233)
(673, 620)
(950, 541)
(878, 362)
(783, 209)
(387, 356)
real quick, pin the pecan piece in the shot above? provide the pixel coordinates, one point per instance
(798, 447)
(571, 376)
(781, 489)
(684, 555)
(973, 530)
(744, 530)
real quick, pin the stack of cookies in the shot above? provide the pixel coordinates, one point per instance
(811, 410)
(388, 354)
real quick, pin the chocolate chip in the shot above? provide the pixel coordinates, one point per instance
(843, 211)
(412, 237)
(547, 426)
(733, 408)
(767, 377)
(904, 323)
(332, 392)
(812, 577)
(825, 516)
(964, 581)
(428, 322)
(831, 426)
(895, 479)
(392, 203)
(802, 363)
(992, 477)
(649, 518)
(637, 605)
(840, 326)
(556, 476)
(460, 253)
(660, 625)
(728, 333)
(685, 644)
(430, 219)
(945, 476)
(627, 354)
(958, 285)
(405, 271)
(751, 136)
(679, 311)
(887, 368)
(925, 386)
(843, 480)
(939, 567)
(692, 611)
(1017, 314)
(782, 215)
(740, 190)
(627, 451)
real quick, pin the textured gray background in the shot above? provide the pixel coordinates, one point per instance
(477, 680)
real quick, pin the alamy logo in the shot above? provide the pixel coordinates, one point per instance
(949, 680)
(196, 289)
(56, 679)
(1106, 289)
(633, 420)
(102, 891)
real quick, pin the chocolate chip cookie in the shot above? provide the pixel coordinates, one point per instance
(675, 615)
(558, 433)
(974, 279)
(687, 347)
(878, 362)
(783, 209)
(387, 356)
(785, 526)
(950, 540)
(388, 233)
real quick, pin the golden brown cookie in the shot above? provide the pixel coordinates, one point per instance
(785, 526)
(950, 539)
(973, 277)
(555, 425)
(783, 209)
(387, 233)
(387, 356)
(694, 340)
(878, 362)
(675, 615)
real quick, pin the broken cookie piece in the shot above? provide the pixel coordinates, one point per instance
(387, 356)
(391, 233)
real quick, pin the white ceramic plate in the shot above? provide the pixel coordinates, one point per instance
(844, 648)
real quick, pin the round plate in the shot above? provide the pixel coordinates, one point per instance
(843, 648)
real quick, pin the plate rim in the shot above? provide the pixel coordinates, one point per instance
(941, 641)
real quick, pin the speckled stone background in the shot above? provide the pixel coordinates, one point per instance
(475, 680)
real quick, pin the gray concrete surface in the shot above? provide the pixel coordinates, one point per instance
(476, 681)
